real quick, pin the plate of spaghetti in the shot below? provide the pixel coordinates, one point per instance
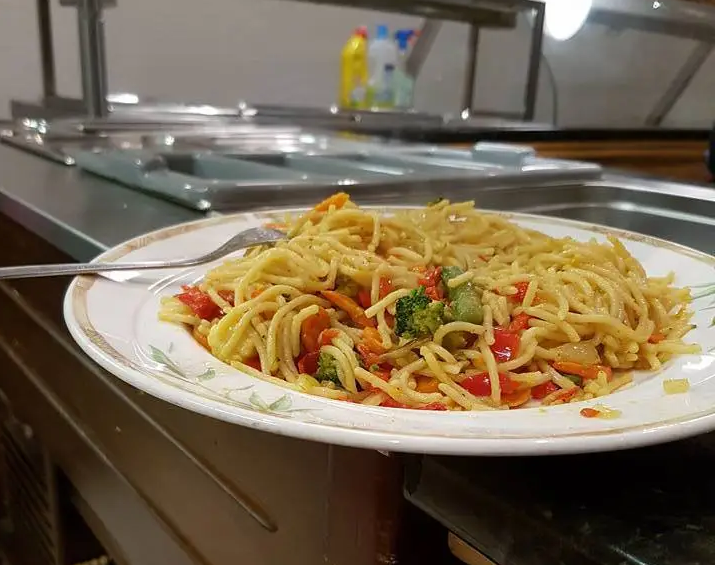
(432, 329)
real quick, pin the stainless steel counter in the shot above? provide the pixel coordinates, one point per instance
(163, 485)
(79, 213)
(82, 214)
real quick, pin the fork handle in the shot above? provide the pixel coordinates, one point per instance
(68, 269)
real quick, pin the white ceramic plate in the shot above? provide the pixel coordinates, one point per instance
(116, 324)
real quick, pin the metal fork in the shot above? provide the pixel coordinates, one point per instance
(248, 238)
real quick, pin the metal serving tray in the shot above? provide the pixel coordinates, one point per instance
(224, 180)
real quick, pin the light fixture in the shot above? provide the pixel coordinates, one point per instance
(564, 18)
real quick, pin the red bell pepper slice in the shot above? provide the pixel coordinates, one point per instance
(505, 346)
(481, 385)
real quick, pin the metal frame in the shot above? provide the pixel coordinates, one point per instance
(428, 34)
(680, 83)
(92, 52)
(672, 18)
(687, 20)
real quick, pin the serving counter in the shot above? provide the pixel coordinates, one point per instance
(160, 485)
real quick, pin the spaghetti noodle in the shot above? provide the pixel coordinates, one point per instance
(441, 308)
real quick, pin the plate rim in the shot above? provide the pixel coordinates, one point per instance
(579, 442)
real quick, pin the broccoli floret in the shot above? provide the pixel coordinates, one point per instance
(466, 299)
(417, 316)
(327, 369)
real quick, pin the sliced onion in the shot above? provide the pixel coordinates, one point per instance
(581, 353)
(400, 351)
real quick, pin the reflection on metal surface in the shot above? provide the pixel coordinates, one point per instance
(224, 179)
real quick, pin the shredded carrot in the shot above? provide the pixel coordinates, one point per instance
(337, 200)
(276, 226)
(257, 292)
(311, 328)
(516, 399)
(564, 395)
(350, 307)
(427, 384)
(656, 338)
(373, 340)
(590, 413)
(327, 336)
(586, 372)
(368, 357)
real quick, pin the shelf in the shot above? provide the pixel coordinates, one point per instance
(486, 13)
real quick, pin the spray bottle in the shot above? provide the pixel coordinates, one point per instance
(354, 71)
(404, 84)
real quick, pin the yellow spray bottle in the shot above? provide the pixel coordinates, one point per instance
(353, 70)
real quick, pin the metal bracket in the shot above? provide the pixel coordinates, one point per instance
(680, 84)
(74, 3)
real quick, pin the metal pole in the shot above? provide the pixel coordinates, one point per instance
(422, 47)
(47, 53)
(680, 83)
(90, 23)
(470, 70)
(532, 79)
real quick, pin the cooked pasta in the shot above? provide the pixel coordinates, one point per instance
(439, 308)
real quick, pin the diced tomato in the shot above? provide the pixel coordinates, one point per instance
(436, 406)
(434, 292)
(200, 303)
(308, 364)
(432, 282)
(311, 328)
(589, 372)
(480, 384)
(326, 337)
(656, 338)
(519, 323)
(253, 362)
(505, 346)
(385, 287)
(542, 391)
(521, 288)
(350, 307)
(390, 402)
(590, 413)
(432, 277)
(363, 298)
